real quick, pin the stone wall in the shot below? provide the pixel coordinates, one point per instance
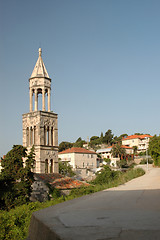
(39, 190)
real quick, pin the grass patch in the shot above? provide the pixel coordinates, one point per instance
(15, 223)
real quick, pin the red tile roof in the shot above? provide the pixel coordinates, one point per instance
(68, 183)
(77, 150)
(136, 136)
(58, 181)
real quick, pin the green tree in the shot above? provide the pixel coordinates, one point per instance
(138, 133)
(79, 143)
(119, 139)
(118, 151)
(101, 135)
(65, 169)
(94, 140)
(154, 149)
(108, 137)
(64, 145)
(79, 139)
(15, 178)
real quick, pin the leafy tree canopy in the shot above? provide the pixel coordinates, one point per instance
(65, 169)
(154, 149)
(15, 178)
(138, 133)
(119, 139)
(79, 139)
(94, 138)
(64, 145)
(79, 143)
(108, 138)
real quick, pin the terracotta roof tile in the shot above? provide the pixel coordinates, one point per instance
(68, 183)
(77, 150)
(136, 136)
(58, 181)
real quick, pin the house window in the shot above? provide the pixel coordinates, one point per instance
(83, 164)
(91, 155)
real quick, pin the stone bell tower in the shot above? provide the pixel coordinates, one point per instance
(40, 126)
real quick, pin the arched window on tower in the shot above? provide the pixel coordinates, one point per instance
(33, 100)
(44, 135)
(34, 135)
(52, 136)
(46, 99)
(46, 166)
(39, 93)
(27, 136)
(31, 136)
(51, 166)
(47, 143)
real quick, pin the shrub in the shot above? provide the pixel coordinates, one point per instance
(106, 175)
(15, 223)
(144, 161)
(122, 163)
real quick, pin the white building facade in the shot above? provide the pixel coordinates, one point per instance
(79, 158)
(140, 141)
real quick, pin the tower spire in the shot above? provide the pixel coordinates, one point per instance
(40, 52)
(40, 69)
(40, 83)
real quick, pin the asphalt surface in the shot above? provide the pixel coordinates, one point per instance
(128, 212)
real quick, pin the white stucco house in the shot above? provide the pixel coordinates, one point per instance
(107, 153)
(141, 141)
(79, 158)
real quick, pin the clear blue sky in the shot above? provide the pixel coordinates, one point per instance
(103, 57)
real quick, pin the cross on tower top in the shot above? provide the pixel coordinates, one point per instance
(40, 52)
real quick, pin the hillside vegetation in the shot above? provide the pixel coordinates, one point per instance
(14, 224)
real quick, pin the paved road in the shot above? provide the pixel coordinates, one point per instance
(128, 212)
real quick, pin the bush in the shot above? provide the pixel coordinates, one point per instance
(144, 161)
(15, 223)
(106, 175)
(122, 163)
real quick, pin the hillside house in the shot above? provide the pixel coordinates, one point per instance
(141, 141)
(107, 153)
(79, 158)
